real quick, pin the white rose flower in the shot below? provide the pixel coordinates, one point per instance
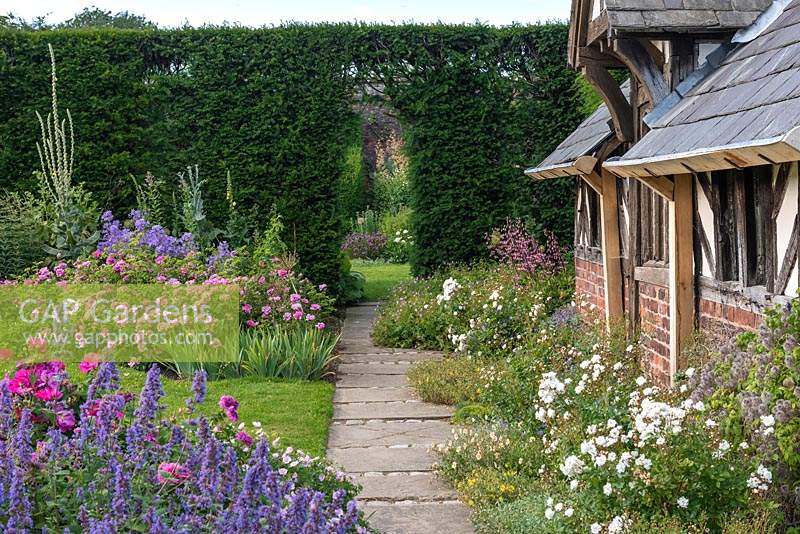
(607, 489)
(683, 502)
(595, 528)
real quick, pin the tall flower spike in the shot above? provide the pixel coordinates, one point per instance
(19, 506)
(198, 388)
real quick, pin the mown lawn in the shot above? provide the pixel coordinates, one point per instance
(297, 411)
(381, 277)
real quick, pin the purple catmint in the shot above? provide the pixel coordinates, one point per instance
(21, 448)
(218, 259)
(19, 506)
(198, 388)
(120, 491)
(106, 380)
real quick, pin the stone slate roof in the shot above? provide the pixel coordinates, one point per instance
(682, 15)
(751, 99)
(586, 138)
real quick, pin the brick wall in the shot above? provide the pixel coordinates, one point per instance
(589, 286)
(722, 321)
(654, 324)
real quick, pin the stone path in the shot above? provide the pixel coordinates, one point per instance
(381, 435)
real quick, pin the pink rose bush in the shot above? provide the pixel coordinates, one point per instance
(115, 464)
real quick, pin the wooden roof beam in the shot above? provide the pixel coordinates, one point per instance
(640, 61)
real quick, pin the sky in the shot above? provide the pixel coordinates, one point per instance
(171, 13)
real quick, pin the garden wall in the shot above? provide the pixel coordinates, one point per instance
(275, 107)
(589, 285)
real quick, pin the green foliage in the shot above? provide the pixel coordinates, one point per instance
(450, 381)
(351, 283)
(352, 193)
(753, 386)
(149, 198)
(192, 214)
(22, 233)
(276, 105)
(298, 353)
(268, 242)
(435, 313)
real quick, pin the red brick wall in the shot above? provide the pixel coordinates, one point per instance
(723, 321)
(589, 286)
(654, 323)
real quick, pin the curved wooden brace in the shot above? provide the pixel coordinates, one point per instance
(618, 106)
(641, 63)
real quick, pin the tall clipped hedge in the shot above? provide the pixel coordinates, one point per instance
(275, 107)
(479, 103)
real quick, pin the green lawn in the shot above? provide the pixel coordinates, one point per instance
(381, 277)
(299, 412)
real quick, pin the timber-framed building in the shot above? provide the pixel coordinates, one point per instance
(687, 205)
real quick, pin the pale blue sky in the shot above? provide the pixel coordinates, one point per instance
(266, 12)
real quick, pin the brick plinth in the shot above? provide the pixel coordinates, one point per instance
(654, 322)
(589, 286)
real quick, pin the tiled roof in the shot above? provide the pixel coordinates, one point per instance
(586, 138)
(682, 15)
(751, 99)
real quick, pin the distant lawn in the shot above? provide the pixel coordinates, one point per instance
(298, 412)
(381, 277)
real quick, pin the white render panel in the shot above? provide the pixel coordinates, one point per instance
(707, 219)
(785, 223)
(791, 287)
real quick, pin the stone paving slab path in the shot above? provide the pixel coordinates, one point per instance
(381, 434)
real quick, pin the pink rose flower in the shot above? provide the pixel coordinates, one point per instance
(246, 308)
(315, 307)
(251, 323)
(320, 326)
(297, 315)
(310, 317)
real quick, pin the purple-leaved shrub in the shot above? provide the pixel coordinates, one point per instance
(367, 245)
(512, 243)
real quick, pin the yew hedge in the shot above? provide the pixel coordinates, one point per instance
(275, 107)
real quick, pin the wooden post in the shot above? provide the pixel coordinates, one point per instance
(612, 264)
(681, 273)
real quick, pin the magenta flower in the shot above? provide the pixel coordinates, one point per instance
(88, 365)
(244, 438)
(230, 406)
(265, 311)
(323, 287)
(246, 308)
(251, 323)
(310, 317)
(172, 473)
(287, 316)
(65, 420)
(297, 315)
(320, 326)
(294, 297)
(315, 307)
(48, 394)
(283, 273)
(159, 259)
